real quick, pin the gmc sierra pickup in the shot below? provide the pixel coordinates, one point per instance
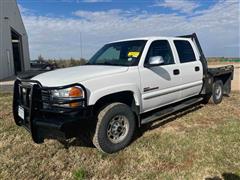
(126, 84)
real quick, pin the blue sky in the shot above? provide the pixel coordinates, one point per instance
(54, 26)
(66, 7)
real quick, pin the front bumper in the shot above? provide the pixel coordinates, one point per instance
(42, 118)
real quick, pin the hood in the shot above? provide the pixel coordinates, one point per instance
(77, 74)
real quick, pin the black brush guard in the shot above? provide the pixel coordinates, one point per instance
(40, 120)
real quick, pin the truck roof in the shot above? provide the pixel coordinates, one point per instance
(150, 38)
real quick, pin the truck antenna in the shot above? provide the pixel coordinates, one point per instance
(81, 43)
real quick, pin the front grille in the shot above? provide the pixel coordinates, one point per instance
(46, 98)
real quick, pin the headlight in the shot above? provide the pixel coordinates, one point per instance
(73, 92)
(69, 94)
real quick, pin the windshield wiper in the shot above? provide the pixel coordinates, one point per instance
(106, 63)
(88, 63)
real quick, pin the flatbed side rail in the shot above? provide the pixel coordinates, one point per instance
(217, 71)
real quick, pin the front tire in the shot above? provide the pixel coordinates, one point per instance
(115, 128)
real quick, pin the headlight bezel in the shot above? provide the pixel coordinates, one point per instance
(64, 93)
(66, 101)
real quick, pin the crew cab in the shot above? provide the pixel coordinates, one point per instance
(126, 84)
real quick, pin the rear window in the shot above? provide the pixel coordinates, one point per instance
(185, 51)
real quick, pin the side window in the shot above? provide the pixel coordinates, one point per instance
(161, 48)
(185, 51)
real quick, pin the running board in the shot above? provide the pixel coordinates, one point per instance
(170, 109)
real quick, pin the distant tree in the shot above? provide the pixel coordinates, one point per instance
(40, 58)
(73, 62)
(63, 63)
(83, 61)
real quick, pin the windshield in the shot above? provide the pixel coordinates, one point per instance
(126, 53)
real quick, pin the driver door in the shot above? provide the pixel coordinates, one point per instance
(160, 83)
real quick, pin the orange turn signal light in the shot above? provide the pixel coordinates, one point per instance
(75, 92)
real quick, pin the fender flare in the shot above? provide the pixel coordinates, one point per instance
(94, 96)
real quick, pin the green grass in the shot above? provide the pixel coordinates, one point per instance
(233, 60)
(80, 174)
(201, 142)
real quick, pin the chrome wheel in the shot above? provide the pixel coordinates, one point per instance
(118, 129)
(218, 92)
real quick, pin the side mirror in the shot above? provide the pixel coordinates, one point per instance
(155, 61)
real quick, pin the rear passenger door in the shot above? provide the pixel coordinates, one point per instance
(190, 68)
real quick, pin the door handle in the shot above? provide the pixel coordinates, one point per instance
(176, 71)
(197, 68)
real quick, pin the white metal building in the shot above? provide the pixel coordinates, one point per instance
(14, 50)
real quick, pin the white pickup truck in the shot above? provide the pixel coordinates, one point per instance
(126, 84)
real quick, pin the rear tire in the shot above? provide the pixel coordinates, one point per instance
(115, 128)
(217, 92)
